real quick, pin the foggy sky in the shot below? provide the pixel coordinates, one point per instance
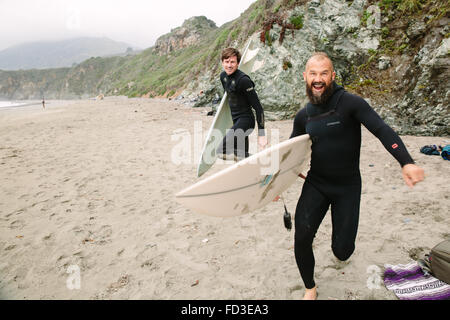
(136, 22)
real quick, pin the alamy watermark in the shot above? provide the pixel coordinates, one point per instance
(374, 280)
(73, 18)
(73, 281)
(189, 146)
(374, 20)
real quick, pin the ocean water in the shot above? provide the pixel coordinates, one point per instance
(21, 103)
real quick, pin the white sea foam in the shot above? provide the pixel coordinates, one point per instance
(8, 104)
(18, 103)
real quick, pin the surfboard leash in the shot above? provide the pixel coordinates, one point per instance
(286, 217)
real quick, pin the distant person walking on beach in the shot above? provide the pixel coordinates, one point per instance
(333, 119)
(242, 97)
(43, 103)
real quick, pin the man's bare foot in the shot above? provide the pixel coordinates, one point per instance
(310, 294)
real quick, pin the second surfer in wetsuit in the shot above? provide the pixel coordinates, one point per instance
(241, 98)
(333, 120)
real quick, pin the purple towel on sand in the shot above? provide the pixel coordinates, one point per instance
(408, 282)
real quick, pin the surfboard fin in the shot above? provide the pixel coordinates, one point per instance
(287, 219)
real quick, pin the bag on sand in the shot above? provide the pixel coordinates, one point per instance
(440, 261)
(446, 152)
(430, 149)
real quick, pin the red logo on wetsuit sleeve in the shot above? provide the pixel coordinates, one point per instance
(394, 146)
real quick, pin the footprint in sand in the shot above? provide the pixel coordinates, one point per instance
(119, 284)
(154, 263)
(103, 235)
(17, 224)
(10, 247)
(24, 197)
(48, 239)
(417, 252)
(295, 288)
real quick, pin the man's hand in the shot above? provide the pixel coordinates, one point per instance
(262, 141)
(412, 174)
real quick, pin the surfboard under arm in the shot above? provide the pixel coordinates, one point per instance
(221, 123)
(250, 183)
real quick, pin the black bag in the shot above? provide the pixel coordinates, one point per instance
(431, 149)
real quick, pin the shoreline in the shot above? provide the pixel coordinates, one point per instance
(31, 103)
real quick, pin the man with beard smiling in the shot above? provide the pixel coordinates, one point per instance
(333, 119)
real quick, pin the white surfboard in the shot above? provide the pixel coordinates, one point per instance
(222, 120)
(251, 183)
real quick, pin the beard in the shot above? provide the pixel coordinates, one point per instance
(323, 98)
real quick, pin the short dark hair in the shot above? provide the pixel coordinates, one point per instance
(229, 52)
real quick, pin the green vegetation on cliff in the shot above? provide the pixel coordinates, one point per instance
(155, 75)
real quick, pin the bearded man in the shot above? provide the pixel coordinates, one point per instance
(333, 119)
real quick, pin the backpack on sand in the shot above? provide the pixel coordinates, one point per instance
(440, 261)
(446, 152)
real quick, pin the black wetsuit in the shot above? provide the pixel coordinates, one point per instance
(241, 97)
(334, 178)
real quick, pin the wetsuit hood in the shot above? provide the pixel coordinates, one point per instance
(336, 88)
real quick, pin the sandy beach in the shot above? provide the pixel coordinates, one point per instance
(87, 188)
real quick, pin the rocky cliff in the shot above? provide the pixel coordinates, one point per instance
(394, 53)
(190, 33)
(396, 57)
